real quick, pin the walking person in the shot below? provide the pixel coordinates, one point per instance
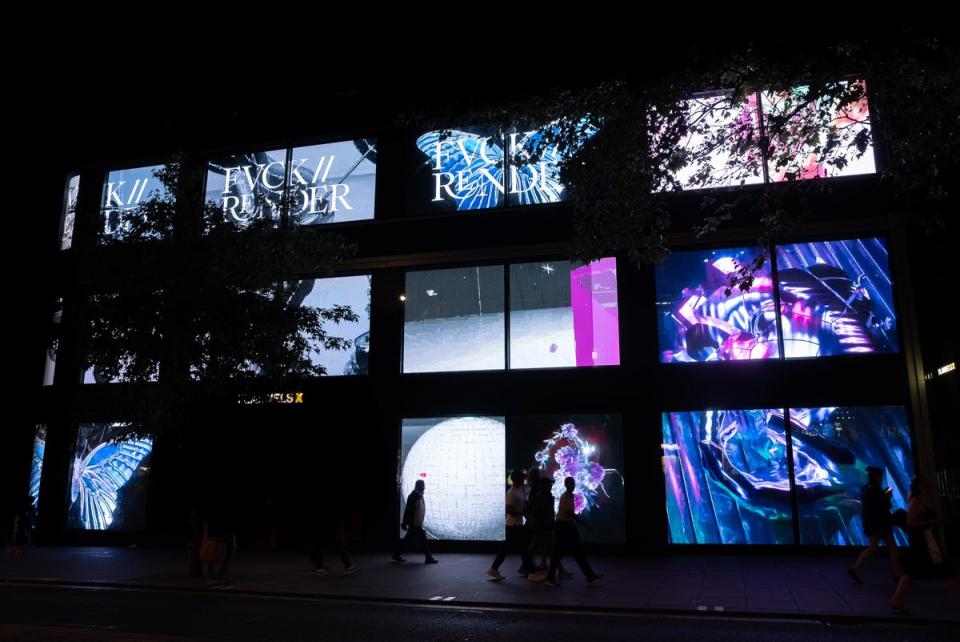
(925, 558)
(543, 524)
(219, 545)
(568, 539)
(331, 528)
(413, 515)
(877, 524)
(517, 540)
(24, 522)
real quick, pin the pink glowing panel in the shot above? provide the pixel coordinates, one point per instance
(596, 327)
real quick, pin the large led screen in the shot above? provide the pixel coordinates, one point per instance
(333, 183)
(328, 183)
(802, 153)
(108, 478)
(836, 297)
(349, 291)
(473, 168)
(94, 375)
(564, 314)
(832, 448)
(699, 321)
(716, 130)
(461, 462)
(50, 362)
(69, 212)
(771, 136)
(247, 187)
(726, 477)
(453, 320)
(588, 448)
(126, 196)
(36, 466)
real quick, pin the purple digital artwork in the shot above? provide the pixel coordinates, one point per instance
(567, 453)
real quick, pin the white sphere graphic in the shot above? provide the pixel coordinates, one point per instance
(461, 461)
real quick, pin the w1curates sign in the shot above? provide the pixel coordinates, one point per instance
(329, 183)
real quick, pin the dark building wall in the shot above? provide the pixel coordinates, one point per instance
(346, 434)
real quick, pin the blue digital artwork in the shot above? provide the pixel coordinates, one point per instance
(727, 479)
(832, 449)
(726, 476)
(36, 466)
(467, 168)
(101, 479)
(836, 297)
(473, 171)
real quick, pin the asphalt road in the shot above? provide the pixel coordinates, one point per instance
(38, 613)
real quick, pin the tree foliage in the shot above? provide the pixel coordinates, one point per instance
(206, 303)
(697, 126)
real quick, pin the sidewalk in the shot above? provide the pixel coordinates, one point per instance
(796, 586)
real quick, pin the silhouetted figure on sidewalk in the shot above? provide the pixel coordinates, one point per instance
(24, 522)
(568, 539)
(517, 540)
(925, 558)
(542, 522)
(220, 543)
(413, 515)
(330, 527)
(196, 528)
(877, 523)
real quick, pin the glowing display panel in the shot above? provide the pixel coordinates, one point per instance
(726, 477)
(333, 183)
(474, 168)
(129, 209)
(461, 462)
(799, 154)
(36, 466)
(453, 320)
(832, 448)
(836, 297)
(69, 212)
(328, 183)
(247, 187)
(564, 314)
(716, 129)
(108, 478)
(698, 321)
(588, 448)
(350, 291)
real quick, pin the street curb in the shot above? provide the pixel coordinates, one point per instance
(831, 618)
